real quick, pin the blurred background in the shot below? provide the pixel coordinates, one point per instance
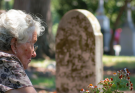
(117, 20)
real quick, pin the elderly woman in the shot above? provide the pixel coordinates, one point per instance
(18, 34)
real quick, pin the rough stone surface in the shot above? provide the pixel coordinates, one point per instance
(79, 48)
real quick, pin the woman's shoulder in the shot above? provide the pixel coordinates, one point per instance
(12, 74)
(11, 59)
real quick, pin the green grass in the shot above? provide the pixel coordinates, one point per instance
(44, 82)
(50, 82)
(40, 62)
(115, 61)
(119, 61)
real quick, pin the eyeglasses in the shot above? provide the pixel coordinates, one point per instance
(35, 47)
(32, 45)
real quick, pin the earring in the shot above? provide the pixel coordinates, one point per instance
(15, 52)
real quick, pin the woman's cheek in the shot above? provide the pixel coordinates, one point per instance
(28, 53)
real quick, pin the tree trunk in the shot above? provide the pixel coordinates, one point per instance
(116, 24)
(22, 5)
(1, 4)
(40, 8)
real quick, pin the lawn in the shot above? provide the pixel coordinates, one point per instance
(40, 63)
(44, 82)
(117, 62)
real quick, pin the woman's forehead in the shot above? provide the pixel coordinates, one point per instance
(33, 37)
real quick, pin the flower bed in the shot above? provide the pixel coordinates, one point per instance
(112, 85)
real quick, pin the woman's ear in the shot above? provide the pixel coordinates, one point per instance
(13, 45)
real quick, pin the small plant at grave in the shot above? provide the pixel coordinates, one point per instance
(112, 85)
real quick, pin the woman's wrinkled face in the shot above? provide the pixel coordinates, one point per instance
(26, 51)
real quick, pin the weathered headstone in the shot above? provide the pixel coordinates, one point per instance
(79, 49)
(127, 38)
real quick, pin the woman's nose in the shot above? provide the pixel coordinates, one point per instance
(34, 54)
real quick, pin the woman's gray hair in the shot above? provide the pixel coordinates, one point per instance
(17, 24)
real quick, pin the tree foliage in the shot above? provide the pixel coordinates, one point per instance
(115, 10)
(6, 5)
(111, 8)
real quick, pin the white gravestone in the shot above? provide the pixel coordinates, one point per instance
(127, 38)
(79, 49)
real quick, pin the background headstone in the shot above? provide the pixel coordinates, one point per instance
(105, 26)
(79, 49)
(127, 38)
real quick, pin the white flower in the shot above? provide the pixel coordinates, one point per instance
(82, 90)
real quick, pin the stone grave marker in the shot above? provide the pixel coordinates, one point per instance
(79, 49)
(127, 38)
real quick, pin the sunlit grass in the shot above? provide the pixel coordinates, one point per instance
(119, 61)
(115, 61)
(40, 63)
(44, 82)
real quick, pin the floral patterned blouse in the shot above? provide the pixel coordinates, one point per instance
(12, 73)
